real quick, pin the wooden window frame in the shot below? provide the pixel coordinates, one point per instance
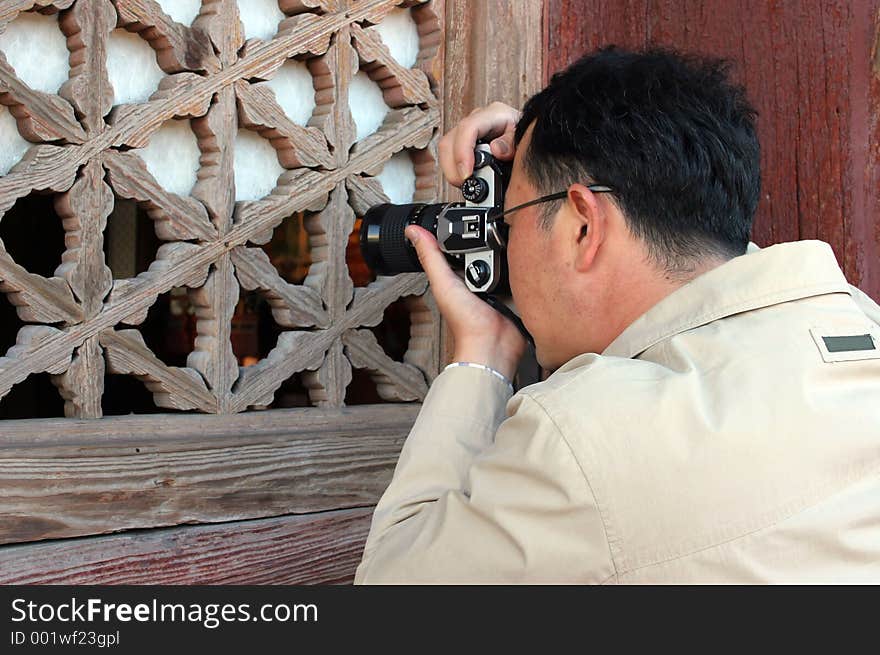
(82, 476)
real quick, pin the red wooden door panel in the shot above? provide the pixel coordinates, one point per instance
(812, 69)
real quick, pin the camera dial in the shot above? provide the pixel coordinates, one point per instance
(475, 189)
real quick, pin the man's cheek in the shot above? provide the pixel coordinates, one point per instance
(517, 285)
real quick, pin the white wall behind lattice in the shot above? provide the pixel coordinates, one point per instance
(36, 48)
(368, 108)
(183, 11)
(398, 178)
(12, 145)
(294, 90)
(260, 18)
(256, 166)
(172, 156)
(400, 33)
(132, 67)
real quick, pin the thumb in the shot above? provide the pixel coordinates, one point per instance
(503, 147)
(430, 255)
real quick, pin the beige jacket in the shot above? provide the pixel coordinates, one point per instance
(725, 436)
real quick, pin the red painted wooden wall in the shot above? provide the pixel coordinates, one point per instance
(811, 68)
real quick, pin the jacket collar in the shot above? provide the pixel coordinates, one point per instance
(760, 278)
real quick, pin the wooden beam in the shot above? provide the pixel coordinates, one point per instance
(494, 51)
(70, 477)
(313, 549)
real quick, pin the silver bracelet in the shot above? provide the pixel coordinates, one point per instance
(489, 369)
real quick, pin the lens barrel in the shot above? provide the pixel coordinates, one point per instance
(384, 246)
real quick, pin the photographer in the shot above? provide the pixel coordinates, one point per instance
(713, 414)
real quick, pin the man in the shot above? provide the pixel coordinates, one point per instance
(713, 414)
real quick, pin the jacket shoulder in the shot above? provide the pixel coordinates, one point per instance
(592, 380)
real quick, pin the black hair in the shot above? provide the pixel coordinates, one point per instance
(668, 132)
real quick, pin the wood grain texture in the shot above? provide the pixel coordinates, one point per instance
(83, 211)
(298, 351)
(87, 26)
(172, 387)
(342, 62)
(494, 50)
(862, 175)
(9, 9)
(370, 301)
(212, 354)
(177, 46)
(365, 192)
(811, 71)
(400, 86)
(293, 305)
(295, 351)
(301, 188)
(328, 235)
(394, 380)
(327, 384)
(323, 548)
(43, 167)
(37, 299)
(177, 264)
(176, 218)
(64, 478)
(210, 73)
(296, 146)
(30, 352)
(82, 384)
(221, 21)
(40, 116)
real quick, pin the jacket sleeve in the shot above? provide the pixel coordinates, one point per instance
(477, 499)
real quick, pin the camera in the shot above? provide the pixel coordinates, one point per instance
(468, 232)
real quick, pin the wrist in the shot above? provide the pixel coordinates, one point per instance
(491, 371)
(503, 360)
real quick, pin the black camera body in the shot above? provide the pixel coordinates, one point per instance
(469, 232)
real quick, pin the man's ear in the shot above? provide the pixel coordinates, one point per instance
(590, 226)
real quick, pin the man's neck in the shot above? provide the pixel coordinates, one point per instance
(643, 287)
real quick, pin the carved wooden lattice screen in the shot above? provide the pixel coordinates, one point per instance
(80, 323)
(284, 495)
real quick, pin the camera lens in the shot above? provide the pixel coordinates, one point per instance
(384, 246)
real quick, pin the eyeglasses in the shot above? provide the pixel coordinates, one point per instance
(595, 188)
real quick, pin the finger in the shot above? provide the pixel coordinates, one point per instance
(447, 160)
(491, 121)
(431, 258)
(504, 146)
(464, 141)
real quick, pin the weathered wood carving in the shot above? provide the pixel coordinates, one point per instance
(83, 324)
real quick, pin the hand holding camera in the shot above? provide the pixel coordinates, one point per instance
(468, 236)
(470, 233)
(496, 122)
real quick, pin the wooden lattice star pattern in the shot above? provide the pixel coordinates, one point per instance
(81, 323)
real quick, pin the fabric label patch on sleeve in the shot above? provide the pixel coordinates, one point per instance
(847, 344)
